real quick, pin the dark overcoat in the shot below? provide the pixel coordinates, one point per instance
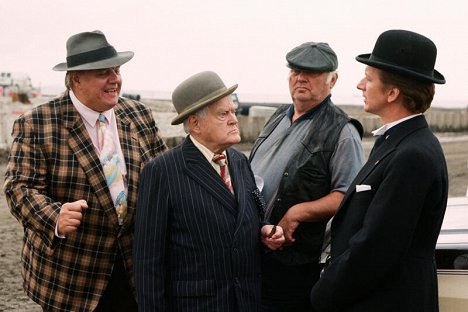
(385, 231)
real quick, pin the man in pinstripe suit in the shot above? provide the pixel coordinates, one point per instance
(76, 255)
(197, 239)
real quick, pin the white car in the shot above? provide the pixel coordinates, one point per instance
(452, 257)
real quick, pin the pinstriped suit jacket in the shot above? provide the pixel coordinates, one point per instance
(53, 161)
(197, 246)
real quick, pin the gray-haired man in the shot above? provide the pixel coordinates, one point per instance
(307, 154)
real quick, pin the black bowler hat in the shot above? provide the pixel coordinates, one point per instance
(406, 53)
(312, 56)
(90, 50)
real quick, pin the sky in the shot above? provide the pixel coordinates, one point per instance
(244, 41)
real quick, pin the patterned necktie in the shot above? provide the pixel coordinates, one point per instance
(110, 163)
(220, 159)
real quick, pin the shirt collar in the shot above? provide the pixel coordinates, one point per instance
(386, 127)
(310, 113)
(204, 150)
(90, 116)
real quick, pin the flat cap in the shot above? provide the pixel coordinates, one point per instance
(312, 56)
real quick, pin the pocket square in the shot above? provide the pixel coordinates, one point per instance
(363, 187)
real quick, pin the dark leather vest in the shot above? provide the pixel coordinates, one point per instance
(306, 178)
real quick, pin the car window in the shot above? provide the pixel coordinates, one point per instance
(452, 244)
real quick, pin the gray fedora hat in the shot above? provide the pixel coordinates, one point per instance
(90, 50)
(196, 92)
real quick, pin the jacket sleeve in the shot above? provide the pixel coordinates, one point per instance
(149, 249)
(25, 184)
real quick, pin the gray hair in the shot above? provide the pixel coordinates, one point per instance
(68, 80)
(200, 113)
(327, 81)
(330, 77)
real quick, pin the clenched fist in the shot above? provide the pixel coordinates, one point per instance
(70, 216)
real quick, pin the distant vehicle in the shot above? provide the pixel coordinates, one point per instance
(243, 108)
(452, 257)
(132, 96)
(14, 79)
(15, 82)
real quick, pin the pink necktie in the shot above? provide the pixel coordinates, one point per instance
(110, 163)
(220, 159)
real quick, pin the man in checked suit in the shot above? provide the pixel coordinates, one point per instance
(197, 238)
(77, 256)
(385, 231)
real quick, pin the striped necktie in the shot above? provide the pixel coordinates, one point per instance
(110, 163)
(220, 160)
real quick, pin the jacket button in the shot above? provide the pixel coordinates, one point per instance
(286, 174)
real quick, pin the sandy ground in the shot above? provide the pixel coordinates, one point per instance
(12, 297)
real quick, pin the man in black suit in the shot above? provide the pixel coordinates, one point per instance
(385, 231)
(198, 228)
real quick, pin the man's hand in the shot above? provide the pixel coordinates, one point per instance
(317, 210)
(272, 236)
(70, 216)
(289, 223)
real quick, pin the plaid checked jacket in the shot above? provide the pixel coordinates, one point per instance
(53, 161)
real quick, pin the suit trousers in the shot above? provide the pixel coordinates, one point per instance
(118, 295)
(287, 287)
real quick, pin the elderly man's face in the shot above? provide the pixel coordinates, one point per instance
(219, 129)
(309, 87)
(98, 89)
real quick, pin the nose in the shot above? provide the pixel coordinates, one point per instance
(361, 84)
(233, 118)
(114, 75)
(301, 76)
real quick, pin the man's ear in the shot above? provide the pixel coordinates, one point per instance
(75, 77)
(333, 80)
(193, 122)
(393, 94)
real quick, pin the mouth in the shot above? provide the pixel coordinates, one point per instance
(111, 91)
(300, 88)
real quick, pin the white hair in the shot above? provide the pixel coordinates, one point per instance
(327, 81)
(330, 77)
(200, 113)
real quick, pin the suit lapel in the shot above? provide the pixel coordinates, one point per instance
(82, 146)
(198, 169)
(83, 149)
(398, 133)
(238, 183)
